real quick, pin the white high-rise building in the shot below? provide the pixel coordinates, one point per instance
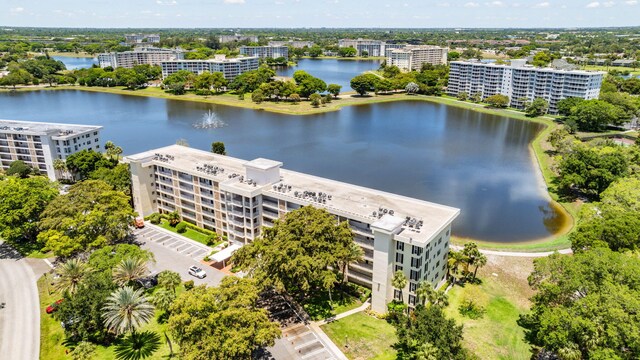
(139, 56)
(230, 68)
(142, 38)
(412, 57)
(523, 83)
(238, 198)
(264, 52)
(371, 47)
(237, 37)
(293, 43)
(38, 144)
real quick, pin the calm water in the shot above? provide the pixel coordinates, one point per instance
(332, 71)
(476, 162)
(73, 63)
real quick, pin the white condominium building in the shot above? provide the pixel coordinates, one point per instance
(142, 38)
(372, 47)
(299, 44)
(231, 38)
(523, 83)
(39, 144)
(230, 68)
(139, 56)
(412, 57)
(264, 52)
(237, 198)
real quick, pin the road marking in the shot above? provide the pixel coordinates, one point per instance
(48, 263)
(169, 242)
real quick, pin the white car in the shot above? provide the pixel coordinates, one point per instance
(197, 272)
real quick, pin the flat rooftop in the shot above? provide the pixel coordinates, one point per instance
(530, 67)
(41, 128)
(422, 219)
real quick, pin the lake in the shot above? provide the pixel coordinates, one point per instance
(477, 162)
(73, 63)
(332, 71)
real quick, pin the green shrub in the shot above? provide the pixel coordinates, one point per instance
(188, 285)
(155, 219)
(181, 228)
(471, 310)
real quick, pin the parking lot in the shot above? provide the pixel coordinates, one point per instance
(176, 253)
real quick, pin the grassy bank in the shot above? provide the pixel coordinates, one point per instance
(71, 54)
(190, 233)
(361, 336)
(632, 71)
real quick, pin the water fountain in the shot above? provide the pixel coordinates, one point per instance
(210, 121)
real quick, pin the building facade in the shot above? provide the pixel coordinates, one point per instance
(231, 38)
(412, 57)
(139, 56)
(264, 52)
(371, 47)
(523, 83)
(237, 198)
(39, 144)
(299, 44)
(142, 38)
(230, 68)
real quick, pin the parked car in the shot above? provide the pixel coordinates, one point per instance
(53, 307)
(197, 272)
(149, 281)
(138, 223)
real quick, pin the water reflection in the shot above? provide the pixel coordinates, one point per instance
(478, 162)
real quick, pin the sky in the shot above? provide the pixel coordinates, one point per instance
(319, 13)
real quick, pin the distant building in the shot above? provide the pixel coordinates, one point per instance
(230, 68)
(264, 52)
(412, 57)
(388, 48)
(237, 37)
(523, 83)
(299, 44)
(139, 56)
(371, 47)
(239, 199)
(142, 38)
(38, 144)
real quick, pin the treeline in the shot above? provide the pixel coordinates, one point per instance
(430, 80)
(25, 71)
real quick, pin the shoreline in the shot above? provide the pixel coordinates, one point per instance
(553, 242)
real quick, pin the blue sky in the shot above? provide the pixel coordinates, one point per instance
(319, 13)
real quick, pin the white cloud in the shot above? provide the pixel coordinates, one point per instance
(541, 5)
(495, 4)
(234, 1)
(471, 5)
(16, 10)
(166, 2)
(631, 2)
(592, 5)
(608, 3)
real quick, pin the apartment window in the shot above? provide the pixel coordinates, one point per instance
(413, 286)
(416, 250)
(414, 275)
(400, 246)
(397, 294)
(416, 262)
(412, 299)
(399, 258)
(398, 268)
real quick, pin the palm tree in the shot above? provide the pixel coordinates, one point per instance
(169, 280)
(137, 346)
(163, 298)
(456, 258)
(129, 270)
(438, 298)
(60, 166)
(70, 275)
(126, 309)
(474, 256)
(423, 291)
(173, 218)
(399, 281)
(354, 254)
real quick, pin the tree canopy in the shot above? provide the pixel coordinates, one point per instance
(85, 161)
(222, 322)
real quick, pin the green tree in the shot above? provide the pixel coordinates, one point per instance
(298, 252)
(85, 161)
(257, 96)
(462, 96)
(382, 85)
(334, 89)
(566, 106)
(315, 51)
(126, 310)
(70, 275)
(363, 83)
(220, 323)
(113, 151)
(542, 59)
(60, 167)
(90, 215)
(217, 147)
(295, 98)
(453, 55)
(315, 99)
(137, 346)
(163, 298)
(538, 107)
(20, 169)
(476, 97)
(399, 281)
(585, 304)
(119, 177)
(455, 261)
(83, 351)
(129, 270)
(169, 280)
(412, 88)
(474, 257)
(349, 255)
(173, 218)
(498, 100)
(23, 201)
(104, 260)
(391, 71)
(595, 115)
(347, 52)
(428, 325)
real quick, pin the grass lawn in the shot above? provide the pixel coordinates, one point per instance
(361, 337)
(190, 233)
(496, 335)
(52, 337)
(318, 306)
(632, 71)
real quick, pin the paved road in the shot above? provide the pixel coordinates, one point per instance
(20, 318)
(175, 253)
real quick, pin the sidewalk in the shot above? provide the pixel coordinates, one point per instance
(362, 307)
